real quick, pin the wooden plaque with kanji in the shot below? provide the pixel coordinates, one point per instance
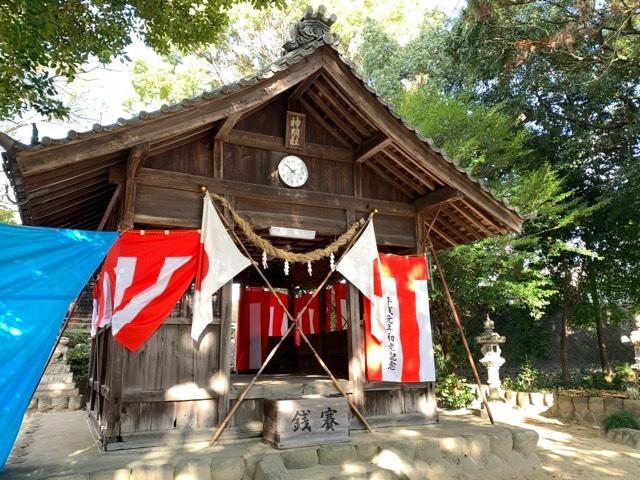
(305, 422)
(295, 129)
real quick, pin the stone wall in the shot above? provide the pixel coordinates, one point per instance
(583, 410)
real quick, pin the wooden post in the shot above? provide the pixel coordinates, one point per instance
(355, 347)
(115, 391)
(224, 362)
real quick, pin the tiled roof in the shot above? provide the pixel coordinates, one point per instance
(279, 65)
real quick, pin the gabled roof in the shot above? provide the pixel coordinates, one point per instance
(326, 83)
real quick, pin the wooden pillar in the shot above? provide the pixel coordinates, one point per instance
(224, 360)
(115, 392)
(136, 155)
(356, 347)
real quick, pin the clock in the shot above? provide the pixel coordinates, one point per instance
(293, 171)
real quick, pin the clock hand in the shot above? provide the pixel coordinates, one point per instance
(292, 170)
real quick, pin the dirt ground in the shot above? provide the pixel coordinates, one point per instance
(571, 452)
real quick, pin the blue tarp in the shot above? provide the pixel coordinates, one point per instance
(42, 270)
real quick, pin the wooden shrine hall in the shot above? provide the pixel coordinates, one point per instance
(303, 144)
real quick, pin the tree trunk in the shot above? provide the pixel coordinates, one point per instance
(597, 313)
(568, 312)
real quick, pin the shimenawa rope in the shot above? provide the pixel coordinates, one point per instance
(291, 257)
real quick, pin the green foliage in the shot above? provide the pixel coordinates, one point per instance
(452, 389)
(41, 41)
(165, 84)
(78, 360)
(527, 379)
(78, 354)
(620, 419)
(6, 216)
(453, 392)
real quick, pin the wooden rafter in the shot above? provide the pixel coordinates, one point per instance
(417, 187)
(333, 116)
(370, 147)
(303, 86)
(472, 220)
(350, 105)
(463, 229)
(413, 167)
(110, 206)
(386, 177)
(407, 171)
(437, 198)
(330, 95)
(323, 123)
(477, 211)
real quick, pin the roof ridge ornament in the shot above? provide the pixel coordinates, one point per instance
(312, 26)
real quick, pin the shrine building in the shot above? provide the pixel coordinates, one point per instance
(302, 149)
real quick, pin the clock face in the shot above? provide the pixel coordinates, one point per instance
(293, 171)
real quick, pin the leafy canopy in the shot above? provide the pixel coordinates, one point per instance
(41, 40)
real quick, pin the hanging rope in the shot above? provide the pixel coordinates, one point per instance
(275, 252)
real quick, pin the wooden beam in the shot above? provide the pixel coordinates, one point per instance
(330, 95)
(303, 86)
(136, 155)
(387, 178)
(400, 174)
(190, 183)
(334, 117)
(169, 124)
(378, 115)
(436, 198)
(218, 158)
(225, 126)
(370, 147)
(270, 142)
(444, 236)
(109, 209)
(412, 167)
(472, 220)
(308, 108)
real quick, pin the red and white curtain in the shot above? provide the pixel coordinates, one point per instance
(260, 316)
(337, 305)
(401, 310)
(143, 276)
(310, 321)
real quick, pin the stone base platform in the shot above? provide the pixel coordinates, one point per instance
(456, 448)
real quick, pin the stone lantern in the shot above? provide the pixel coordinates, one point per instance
(490, 343)
(634, 339)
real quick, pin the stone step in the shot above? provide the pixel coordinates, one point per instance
(56, 377)
(496, 453)
(56, 390)
(57, 367)
(47, 403)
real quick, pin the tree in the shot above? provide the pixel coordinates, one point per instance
(42, 40)
(571, 70)
(507, 275)
(254, 38)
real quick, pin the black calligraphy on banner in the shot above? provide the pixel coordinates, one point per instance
(391, 339)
